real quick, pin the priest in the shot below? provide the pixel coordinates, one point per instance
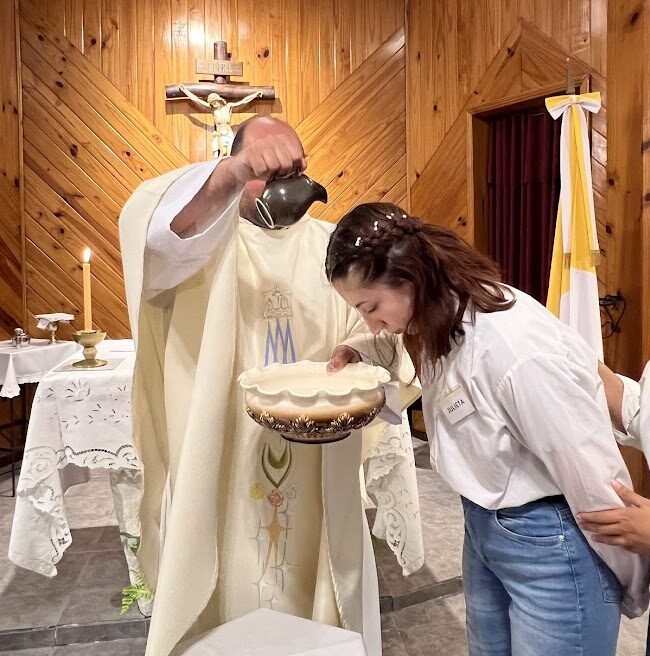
(233, 517)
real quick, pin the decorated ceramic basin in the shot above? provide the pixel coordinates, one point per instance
(305, 403)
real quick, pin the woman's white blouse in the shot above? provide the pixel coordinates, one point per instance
(519, 413)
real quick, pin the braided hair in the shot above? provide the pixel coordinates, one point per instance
(380, 243)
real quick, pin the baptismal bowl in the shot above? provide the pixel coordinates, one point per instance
(305, 403)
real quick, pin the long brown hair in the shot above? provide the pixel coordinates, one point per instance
(381, 244)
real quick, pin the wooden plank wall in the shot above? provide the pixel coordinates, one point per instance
(11, 275)
(451, 47)
(305, 48)
(96, 122)
(483, 51)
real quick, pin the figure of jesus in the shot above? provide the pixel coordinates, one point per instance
(223, 134)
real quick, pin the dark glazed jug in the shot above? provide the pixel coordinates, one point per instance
(285, 201)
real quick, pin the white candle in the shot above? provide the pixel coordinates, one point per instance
(88, 311)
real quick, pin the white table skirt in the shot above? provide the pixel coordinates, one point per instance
(80, 420)
(28, 364)
(266, 632)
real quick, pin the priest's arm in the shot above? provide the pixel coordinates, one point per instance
(188, 223)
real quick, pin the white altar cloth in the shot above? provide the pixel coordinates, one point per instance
(29, 363)
(266, 632)
(80, 420)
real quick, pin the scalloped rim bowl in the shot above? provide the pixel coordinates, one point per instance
(305, 403)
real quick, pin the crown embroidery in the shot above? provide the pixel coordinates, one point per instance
(277, 303)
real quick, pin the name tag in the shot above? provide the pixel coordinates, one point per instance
(456, 405)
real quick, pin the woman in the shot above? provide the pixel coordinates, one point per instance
(517, 421)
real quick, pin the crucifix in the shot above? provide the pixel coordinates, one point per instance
(219, 95)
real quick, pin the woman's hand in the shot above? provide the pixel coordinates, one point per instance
(623, 527)
(341, 356)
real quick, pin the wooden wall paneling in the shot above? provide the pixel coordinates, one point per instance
(65, 201)
(110, 25)
(11, 259)
(55, 14)
(128, 66)
(440, 194)
(101, 140)
(390, 187)
(342, 19)
(74, 23)
(645, 212)
(292, 100)
(180, 67)
(278, 49)
(625, 88)
(598, 36)
(580, 33)
(92, 32)
(162, 72)
(67, 287)
(105, 301)
(309, 61)
(353, 135)
(64, 235)
(93, 201)
(77, 74)
(446, 172)
(196, 39)
(327, 47)
(508, 11)
(383, 64)
(480, 30)
(118, 190)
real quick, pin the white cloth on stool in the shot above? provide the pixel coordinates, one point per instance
(266, 632)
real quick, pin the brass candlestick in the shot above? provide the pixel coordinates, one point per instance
(89, 340)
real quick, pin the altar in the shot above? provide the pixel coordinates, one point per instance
(80, 420)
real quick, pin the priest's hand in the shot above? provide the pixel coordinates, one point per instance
(275, 156)
(341, 356)
(627, 527)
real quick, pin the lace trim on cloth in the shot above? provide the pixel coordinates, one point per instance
(392, 483)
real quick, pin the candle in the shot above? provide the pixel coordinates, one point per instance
(88, 312)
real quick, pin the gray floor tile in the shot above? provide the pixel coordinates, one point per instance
(434, 627)
(133, 647)
(110, 539)
(21, 581)
(97, 604)
(28, 640)
(107, 568)
(38, 651)
(85, 539)
(99, 631)
(393, 643)
(31, 610)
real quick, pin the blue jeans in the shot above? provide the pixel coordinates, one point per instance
(533, 586)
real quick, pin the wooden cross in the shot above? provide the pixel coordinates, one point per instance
(222, 68)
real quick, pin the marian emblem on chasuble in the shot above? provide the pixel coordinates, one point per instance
(276, 458)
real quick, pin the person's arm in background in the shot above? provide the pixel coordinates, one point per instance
(624, 527)
(623, 402)
(555, 410)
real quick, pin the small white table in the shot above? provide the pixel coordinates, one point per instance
(80, 420)
(266, 632)
(28, 364)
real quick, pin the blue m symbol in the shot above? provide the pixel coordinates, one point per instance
(279, 343)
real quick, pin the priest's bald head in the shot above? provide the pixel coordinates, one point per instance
(257, 127)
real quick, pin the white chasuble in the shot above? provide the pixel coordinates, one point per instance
(233, 517)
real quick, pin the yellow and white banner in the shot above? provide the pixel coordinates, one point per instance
(573, 285)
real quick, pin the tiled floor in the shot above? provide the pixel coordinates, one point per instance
(81, 604)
